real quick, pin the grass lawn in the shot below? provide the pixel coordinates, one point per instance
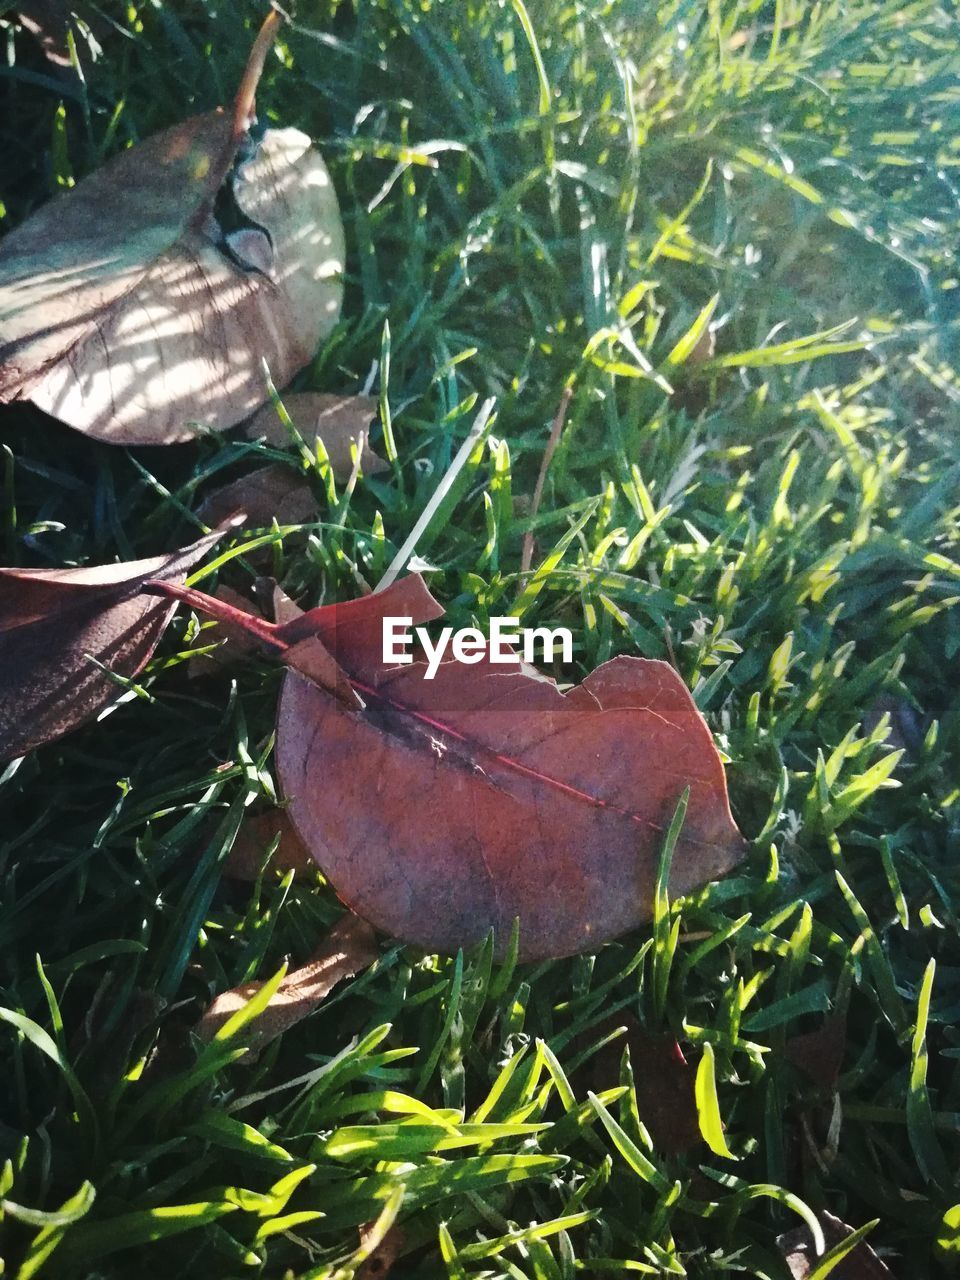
(730, 227)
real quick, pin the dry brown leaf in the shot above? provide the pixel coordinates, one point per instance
(272, 492)
(382, 1257)
(339, 421)
(129, 314)
(703, 349)
(349, 947)
(664, 1081)
(800, 1255)
(443, 808)
(52, 619)
(256, 836)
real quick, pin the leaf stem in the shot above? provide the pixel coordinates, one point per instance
(262, 630)
(244, 103)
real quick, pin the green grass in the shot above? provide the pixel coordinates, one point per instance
(562, 194)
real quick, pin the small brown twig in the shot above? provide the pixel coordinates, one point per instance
(526, 555)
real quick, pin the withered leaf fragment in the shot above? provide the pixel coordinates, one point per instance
(339, 421)
(382, 1257)
(129, 312)
(819, 1053)
(272, 492)
(800, 1256)
(256, 836)
(663, 1080)
(52, 619)
(348, 948)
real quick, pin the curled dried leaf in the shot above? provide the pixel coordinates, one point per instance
(131, 310)
(60, 627)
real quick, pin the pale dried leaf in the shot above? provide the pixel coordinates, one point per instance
(348, 948)
(67, 265)
(339, 421)
(800, 1255)
(125, 316)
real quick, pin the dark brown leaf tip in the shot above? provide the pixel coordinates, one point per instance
(60, 627)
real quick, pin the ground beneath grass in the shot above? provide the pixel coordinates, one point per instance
(730, 228)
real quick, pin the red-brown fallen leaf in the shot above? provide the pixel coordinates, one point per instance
(339, 421)
(51, 619)
(272, 492)
(256, 836)
(348, 948)
(800, 1255)
(442, 808)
